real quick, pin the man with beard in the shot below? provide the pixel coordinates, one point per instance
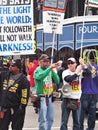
(14, 98)
(45, 77)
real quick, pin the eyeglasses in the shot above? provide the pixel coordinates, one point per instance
(70, 62)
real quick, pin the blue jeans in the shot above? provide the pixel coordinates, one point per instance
(46, 114)
(65, 117)
(88, 104)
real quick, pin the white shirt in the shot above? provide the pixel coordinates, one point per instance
(71, 89)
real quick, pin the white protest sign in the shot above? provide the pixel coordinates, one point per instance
(53, 15)
(16, 27)
(53, 22)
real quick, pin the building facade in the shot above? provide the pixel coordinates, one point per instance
(72, 41)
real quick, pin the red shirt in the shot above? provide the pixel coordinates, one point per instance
(31, 73)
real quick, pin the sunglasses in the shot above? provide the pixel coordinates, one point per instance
(70, 62)
(13, 66)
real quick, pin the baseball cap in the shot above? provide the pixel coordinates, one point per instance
(72, 59)
(60, 61)
(43, 57)
(16, 63)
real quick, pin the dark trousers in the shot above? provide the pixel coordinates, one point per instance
(65, 116)
(88, 104)
(13, 116)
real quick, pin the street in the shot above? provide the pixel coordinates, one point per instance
(31, 119)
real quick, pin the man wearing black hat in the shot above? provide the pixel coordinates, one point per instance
(44, 77)
(15, 94)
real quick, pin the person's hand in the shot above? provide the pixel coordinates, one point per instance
(54, 70)
(21, 109)
(78, 69)
(81, 61)
(1, 114)
(52, 65)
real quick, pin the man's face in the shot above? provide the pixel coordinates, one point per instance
(44, 63)
(13, 69)
(71, 66)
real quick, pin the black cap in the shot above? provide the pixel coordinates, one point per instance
(92, 55)
(16, 63)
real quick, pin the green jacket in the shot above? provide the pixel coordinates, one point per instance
(44, 80)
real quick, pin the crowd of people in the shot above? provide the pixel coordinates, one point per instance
(77, 80)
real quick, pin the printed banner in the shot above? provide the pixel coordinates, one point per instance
(16, 27)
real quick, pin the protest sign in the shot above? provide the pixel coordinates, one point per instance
(16, 27)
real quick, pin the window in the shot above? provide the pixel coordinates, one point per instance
(68, 12)
(81, 7)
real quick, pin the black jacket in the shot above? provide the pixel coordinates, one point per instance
(14, 92)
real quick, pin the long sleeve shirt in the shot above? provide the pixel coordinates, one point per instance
(44, 80)
(89, 84)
